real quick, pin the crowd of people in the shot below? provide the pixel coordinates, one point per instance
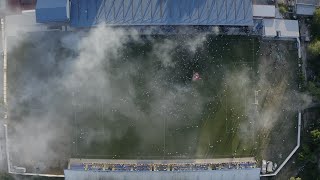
(190, 167)
(239, 165)
(162, 167)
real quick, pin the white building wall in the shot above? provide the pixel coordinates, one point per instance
(68, 9)
(286, 28)
(264, 11)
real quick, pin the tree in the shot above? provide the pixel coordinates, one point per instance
(314, 47)
(314, 90)
(5, 176)
(316, 22)
(305, 153)
(283, 9)
(315, 134)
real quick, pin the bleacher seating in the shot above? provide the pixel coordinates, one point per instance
(161, 167)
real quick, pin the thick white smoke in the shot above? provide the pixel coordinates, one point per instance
(90, 73)
(84, 71)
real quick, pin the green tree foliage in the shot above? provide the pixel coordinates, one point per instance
(305, 154)
(315, 134)
(293, 178)
(308, 157)
(314, 90)
(5, 176)
(314, 47)
(316, 23)
(283, 8)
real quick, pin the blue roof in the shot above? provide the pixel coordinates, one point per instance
(234, 174)
(85, 13)
(48, 11)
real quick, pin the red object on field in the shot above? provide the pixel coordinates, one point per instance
(196, 76)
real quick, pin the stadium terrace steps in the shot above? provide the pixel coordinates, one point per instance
(161, 165)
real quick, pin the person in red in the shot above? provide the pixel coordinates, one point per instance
(196, 76)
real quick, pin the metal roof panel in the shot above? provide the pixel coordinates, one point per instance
(161, 12)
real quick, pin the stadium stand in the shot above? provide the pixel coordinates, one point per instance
(161, 167)
(228, 168)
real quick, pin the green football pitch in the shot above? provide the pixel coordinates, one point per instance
(203, 121)
(139, 100)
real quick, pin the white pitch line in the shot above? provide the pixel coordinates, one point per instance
(4, 43)
(164, 138)
(4, 62)
(7, 147)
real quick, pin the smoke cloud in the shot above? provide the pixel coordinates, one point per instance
(269, 95)
(60, 80)
(54, 75)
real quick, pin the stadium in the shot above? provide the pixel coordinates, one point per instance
(149, 88)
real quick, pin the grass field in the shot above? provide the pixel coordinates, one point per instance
(142, 102)
(213, 132)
